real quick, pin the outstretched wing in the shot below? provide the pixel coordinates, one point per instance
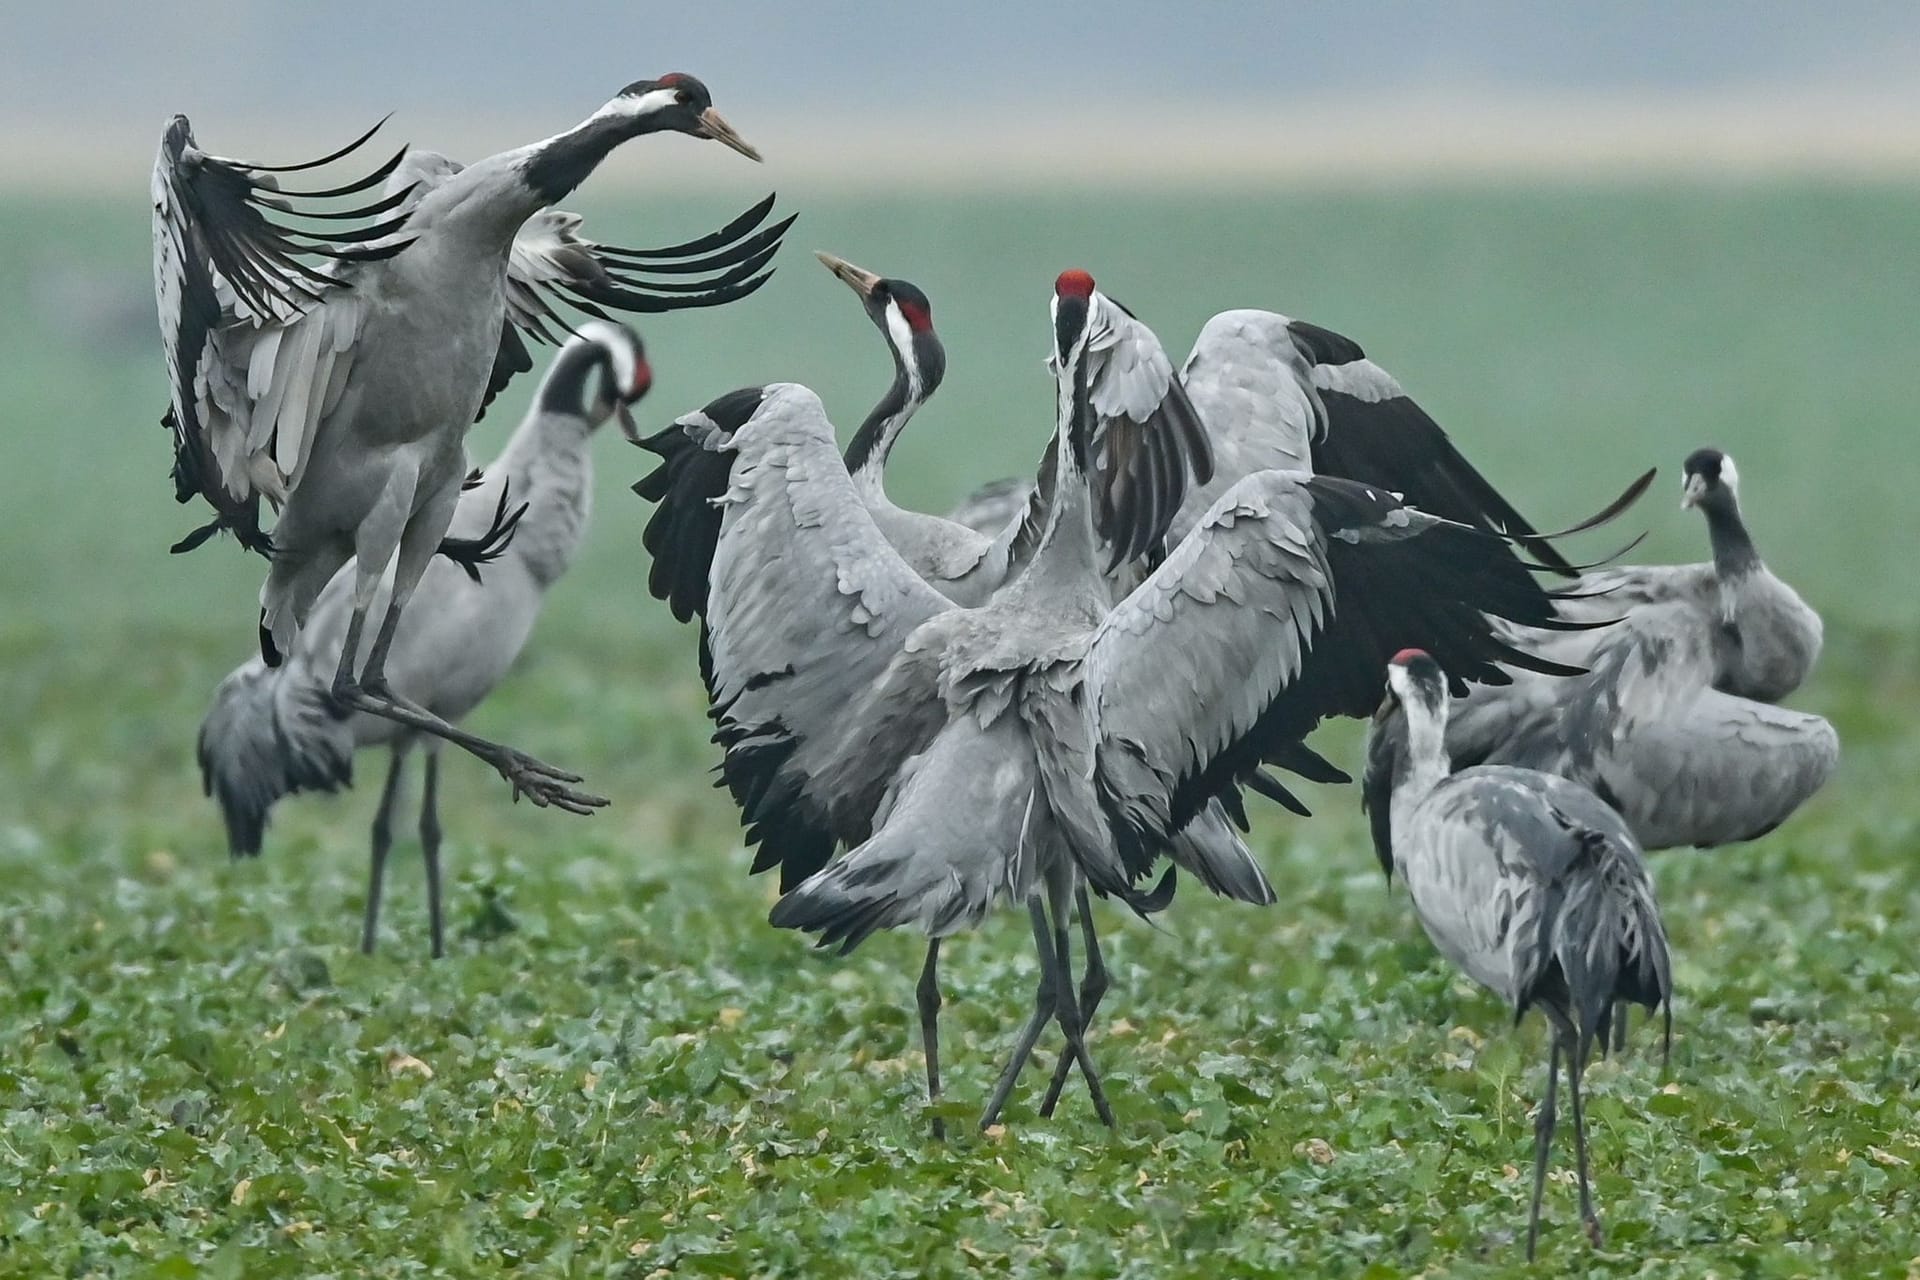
(1254, 390)
(1280, 610)
(1376, 433)
(552, 263)
(248, 321)
(805, 607)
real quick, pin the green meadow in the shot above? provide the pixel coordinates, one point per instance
(620, 1068)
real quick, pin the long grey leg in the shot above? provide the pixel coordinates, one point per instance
(539, 782)
(382, 841)
(1576, 1067)
(1045, 1007)
(1093, 985)
(1071, 1021)
(430, 848)
(1542, 1140)
(1620, 1009)
(928, 993)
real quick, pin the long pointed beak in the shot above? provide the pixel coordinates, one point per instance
(1691, 492)
(859, 279)
(714, 125)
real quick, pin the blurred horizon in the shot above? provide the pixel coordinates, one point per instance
(1002, 93)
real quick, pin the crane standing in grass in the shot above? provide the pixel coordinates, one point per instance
(1529, 883)
(274, 731)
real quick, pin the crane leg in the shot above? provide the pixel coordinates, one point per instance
(1576, 1067)
(1045, 1006)
(1071, 1020)
(369, 692)
(382, 841)
(928, 993)
(430, 849)
(1620, 1010)
(1093, 986)
(1542, 1140)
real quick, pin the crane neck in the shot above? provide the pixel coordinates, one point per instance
(547, 465)
(1067, 556)
(872, 444)
(1424, 763)
(1734, 555)
(496, 196)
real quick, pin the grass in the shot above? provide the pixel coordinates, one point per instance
(621, 1069)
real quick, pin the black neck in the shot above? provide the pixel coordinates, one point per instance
(1733, 549)
(568, 383)
(566, 161)
(871, 443)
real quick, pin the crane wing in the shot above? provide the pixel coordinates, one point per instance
(805, 607)
(1279, 610)
(552, 263)
(1377, 434)
(1148, 440)
(254, 316)
(1253, 388)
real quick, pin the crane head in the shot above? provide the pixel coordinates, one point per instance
(1073, 292)
(1707, 478)
(680, 103)
(1414, 677)
(904, 316)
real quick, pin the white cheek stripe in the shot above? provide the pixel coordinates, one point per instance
(900, 333)
(645, 105)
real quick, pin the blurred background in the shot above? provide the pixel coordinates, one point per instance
(1587, 237)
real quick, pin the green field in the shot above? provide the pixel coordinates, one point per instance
(622, 1069)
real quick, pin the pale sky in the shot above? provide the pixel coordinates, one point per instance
(1130, 84)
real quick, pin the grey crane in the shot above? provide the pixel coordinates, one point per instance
(1647, 730)
(684, 536)
(1758, 636)
(1673, 725)
(1528, 883)
(275, 731)
(1007, 751)
(342, 393)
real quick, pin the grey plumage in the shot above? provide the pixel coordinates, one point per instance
(994, 505)
(1530, 884)
(276, 731)
(1673, 724)
(897, 723)
(342, 395)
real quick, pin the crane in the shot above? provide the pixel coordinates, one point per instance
(1528, 883)
(275, 731)
(342, 393)
(1009, 751)
(1758, 638)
